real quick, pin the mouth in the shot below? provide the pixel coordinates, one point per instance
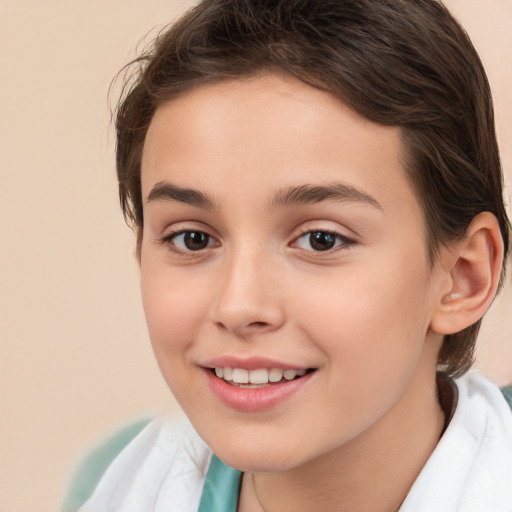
(256, 384)
(258, 378)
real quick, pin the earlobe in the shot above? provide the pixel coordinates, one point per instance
(474, 265)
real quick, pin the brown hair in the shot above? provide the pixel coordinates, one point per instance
(404, 63)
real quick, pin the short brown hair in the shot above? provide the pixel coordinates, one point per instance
(404, 63)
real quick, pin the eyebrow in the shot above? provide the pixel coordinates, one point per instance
(165, 191)
(291, 196)
(312, 194)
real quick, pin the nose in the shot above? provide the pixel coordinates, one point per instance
(248, 300)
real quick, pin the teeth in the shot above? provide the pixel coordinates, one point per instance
(289, 374)
(275, 375)
(240, 376)
(259, 376)
(228, 373)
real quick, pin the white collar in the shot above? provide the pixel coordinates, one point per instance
(471, 468)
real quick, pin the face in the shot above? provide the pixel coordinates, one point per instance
(284, 273)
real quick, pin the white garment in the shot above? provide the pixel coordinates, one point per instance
(164, 467)
(471, 468)
(161, 470)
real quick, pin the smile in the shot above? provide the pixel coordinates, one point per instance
(260, 377)
(256, 390)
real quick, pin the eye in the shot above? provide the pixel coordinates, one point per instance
(187, 241)
(321, 241)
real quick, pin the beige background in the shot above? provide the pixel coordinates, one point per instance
(74, 357)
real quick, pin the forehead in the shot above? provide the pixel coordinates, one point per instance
(269, 132)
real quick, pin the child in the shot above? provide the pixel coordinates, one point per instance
(317, 196)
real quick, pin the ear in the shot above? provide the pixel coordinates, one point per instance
(473, 268)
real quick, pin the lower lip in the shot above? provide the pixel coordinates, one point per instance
(254, 399)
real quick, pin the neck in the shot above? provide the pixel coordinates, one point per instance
(373, 472)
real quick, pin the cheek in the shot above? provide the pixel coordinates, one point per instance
(365, 319)
(173, 309)
(370, 332)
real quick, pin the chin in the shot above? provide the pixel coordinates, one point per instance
(261, 463)
(255, 458)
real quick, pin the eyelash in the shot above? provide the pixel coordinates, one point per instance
(341, 242)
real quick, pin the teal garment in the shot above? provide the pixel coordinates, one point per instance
(93, 467)
(221, 488)
(220, 491)
(507, 393)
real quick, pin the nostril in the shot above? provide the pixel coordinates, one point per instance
(247, 329)
(258, 325)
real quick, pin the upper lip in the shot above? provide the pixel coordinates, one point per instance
(250, 363)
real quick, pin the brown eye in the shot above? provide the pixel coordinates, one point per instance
(195, 240)
(191, 241)
(322, 240)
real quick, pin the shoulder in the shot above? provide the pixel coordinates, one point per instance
(475, 389)
(90, 470)
(139, 463)
(471, 467)
(484, 413)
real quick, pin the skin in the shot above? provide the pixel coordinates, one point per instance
(358, 433)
